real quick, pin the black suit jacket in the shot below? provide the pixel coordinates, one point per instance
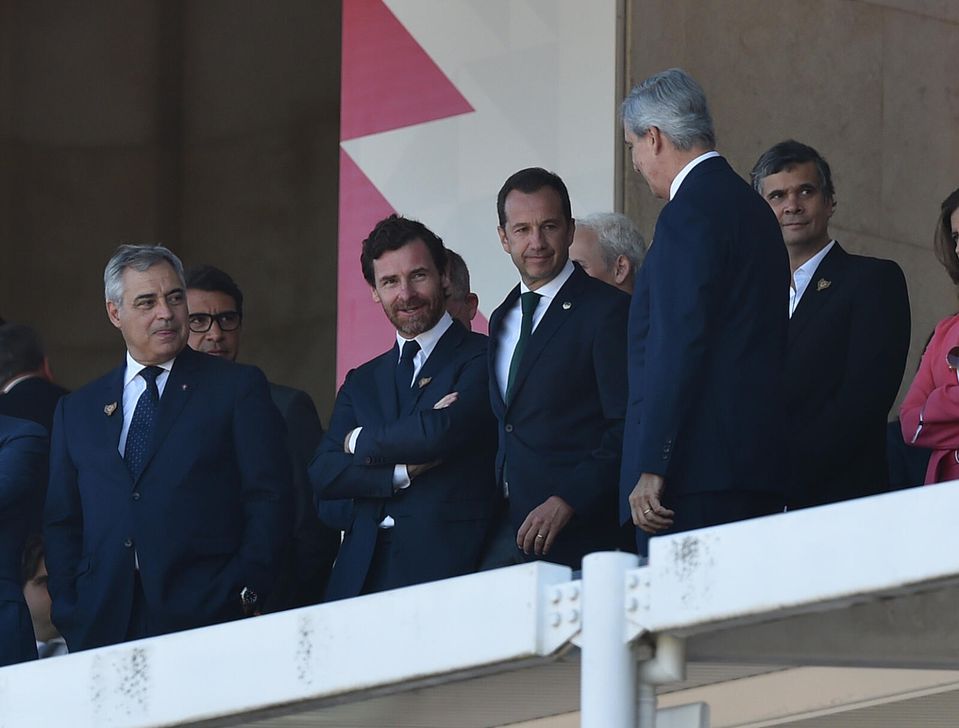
(306, 567)
(562, 433)
(23, 469)
(207, 516)
(32, 399)
(707, 344)
(442, 519)
(848, 341)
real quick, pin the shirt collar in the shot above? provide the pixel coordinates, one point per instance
(428, 339)
(806, 271)
(549, 290)
(134, 367)
(16, 380)
(678, 179)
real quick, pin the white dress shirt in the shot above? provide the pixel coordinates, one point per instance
(678, 179)
(803, 275)
(513, 320)
(133, 387)
(427, 341)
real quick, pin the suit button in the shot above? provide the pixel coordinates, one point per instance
(508, 428)
(368, 461)
(136, 495)
(128, 543)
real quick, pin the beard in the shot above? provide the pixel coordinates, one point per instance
(428, 312)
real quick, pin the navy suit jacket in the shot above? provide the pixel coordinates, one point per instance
(32, 399)
(207, 517)
(442, 519)
(562, 432)
(306, 567)
(23, 469)
(848, 341)
(707, 344)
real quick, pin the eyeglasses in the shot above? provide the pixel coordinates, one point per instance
(200, 323)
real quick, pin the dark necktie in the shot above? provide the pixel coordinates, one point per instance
(144, 419)
(404, 373)
(528, 303)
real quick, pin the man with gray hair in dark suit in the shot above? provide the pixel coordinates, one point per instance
(609, 246)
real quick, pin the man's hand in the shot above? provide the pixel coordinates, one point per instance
(543, 525)
(447, 400)
(415, 470)
(646, 506)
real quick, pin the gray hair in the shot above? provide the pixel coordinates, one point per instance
(675, 104)
(140, 258)
(618, 235)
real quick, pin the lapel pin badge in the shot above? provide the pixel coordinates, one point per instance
(823, 284)
(424, 381)
(110, 409)
(567, 305)
(183, 387)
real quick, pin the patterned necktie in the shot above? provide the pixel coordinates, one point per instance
(144, 419)
(404, 373)
(528, 302)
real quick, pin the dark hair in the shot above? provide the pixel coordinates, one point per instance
(210, 278)
(392, 233)
(944, 244)
(32, 555)
(788, 154)
(20, 351)
(528, 181)
(459, 275)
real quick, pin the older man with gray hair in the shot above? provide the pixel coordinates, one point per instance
(608, 246)
(169, 478)
(704, 441)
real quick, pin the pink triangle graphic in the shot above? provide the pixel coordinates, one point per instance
(387, 80)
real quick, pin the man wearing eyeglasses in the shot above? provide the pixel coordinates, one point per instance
(215, 304)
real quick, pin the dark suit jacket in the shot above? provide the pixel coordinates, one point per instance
(562, 433)
(707, 344)
(848, 341)
(442, 518)
(23, 469)
(32, 399)
(207, 517)
(306, 567)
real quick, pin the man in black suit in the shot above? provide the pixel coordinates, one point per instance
(215, 303)
(411, 438)
(704, 440)
(849, 329)
(169, 490)
(23, 466)
(27, 390)
(557, 376)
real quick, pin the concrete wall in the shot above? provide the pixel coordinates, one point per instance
(871, 84)
(209, 125)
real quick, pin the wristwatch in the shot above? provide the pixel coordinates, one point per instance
(248, 599)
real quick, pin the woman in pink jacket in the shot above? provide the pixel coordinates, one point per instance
(930, 412)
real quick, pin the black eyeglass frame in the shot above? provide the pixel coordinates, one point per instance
(220, 318)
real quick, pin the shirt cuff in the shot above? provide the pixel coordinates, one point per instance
(401, 477)
(354, 436)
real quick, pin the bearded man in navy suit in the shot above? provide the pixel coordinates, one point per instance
(704, 441)
(411, 437)
(170, 484)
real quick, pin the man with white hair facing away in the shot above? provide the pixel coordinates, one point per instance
(609, 246)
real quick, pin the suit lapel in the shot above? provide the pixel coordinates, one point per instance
(439, 357)
(112, 396)
(177, 390)
(386, 382)
(822, 288)
(559, 312)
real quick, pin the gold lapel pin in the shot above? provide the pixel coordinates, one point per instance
(823, 284)
(110, 409)
(567, 305)
(424, 381)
